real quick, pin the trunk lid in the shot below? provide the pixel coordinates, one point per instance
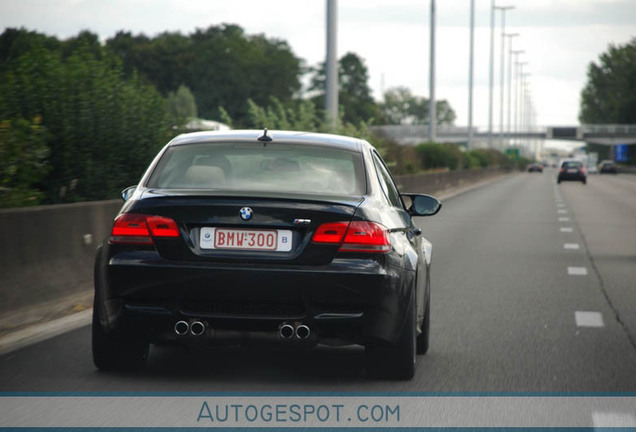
(246, 228)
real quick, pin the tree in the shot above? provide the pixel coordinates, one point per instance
(181, 106)
(354, 95)
(102, 129)
(23, 153)
(610, 93)
(400, 106)
(221, 65)
(15, 42)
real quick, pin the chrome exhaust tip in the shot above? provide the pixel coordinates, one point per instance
(197, 328)
(286, 331)
(181, 327)
(302, 331)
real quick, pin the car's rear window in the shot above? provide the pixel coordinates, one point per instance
(572, 164)
(256, 167)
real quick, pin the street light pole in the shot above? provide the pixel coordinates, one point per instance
(510, 64)
(331, 91)
(518, 94)
(492, 67)
(525, 91)
(432, 112)
(510, 36)
(523, 124)
(471, 62)
(503, 10)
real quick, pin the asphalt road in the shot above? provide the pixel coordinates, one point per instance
(534, 290)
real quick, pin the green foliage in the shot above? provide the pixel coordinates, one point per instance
(609, 96)
(103, 129)
(302, 115)
(181, 106)
(402, 107)
(23, 153)
(221, 65)
(105, 115)
(356, 105)
(482, 158)
(401, 159)
(433, 155)
(15, 42)
(224, 116)
(298, 115)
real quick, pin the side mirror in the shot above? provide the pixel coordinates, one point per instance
(423, 205)
(128, 192)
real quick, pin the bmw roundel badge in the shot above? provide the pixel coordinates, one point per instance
(246, 213)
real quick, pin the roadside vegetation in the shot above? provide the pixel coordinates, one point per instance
(609, 96)
(80, 119)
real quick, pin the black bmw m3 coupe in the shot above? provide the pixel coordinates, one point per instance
(287, 237)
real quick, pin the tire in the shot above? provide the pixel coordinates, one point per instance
(394, 361)
(116, 351)
(422, 341)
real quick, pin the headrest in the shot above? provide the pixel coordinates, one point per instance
(203, 176)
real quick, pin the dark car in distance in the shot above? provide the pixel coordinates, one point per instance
(571, 170)
(607, 167)
(535, 167)
(288, 237)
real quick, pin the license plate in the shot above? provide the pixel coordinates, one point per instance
(246, 239)
(573, 171)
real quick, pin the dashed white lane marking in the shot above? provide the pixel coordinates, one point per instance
(577, 271)
(562, 211)
(560, 205)
(564, 219)
(613, 420)
(572, 246)
(588, 319)
(566, 229)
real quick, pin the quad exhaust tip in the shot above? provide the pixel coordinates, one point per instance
(181, 327)
(197, 328)
(302, 331)
(286, 331)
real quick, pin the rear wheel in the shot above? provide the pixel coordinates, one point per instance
(116, 350)
(394, 361)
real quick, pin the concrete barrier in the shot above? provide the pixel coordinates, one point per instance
(440, 183)
(47, 252)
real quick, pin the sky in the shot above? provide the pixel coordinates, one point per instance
(559, 39)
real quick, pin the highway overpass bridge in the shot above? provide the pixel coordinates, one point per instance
(609, 135)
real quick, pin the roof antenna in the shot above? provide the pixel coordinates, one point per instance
(264, 138)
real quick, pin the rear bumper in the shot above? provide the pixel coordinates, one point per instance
(572, 177)
(347, 301)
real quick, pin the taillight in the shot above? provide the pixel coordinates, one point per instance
(134, 228)
(162, 226)
(332, 232)
(357, 236)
